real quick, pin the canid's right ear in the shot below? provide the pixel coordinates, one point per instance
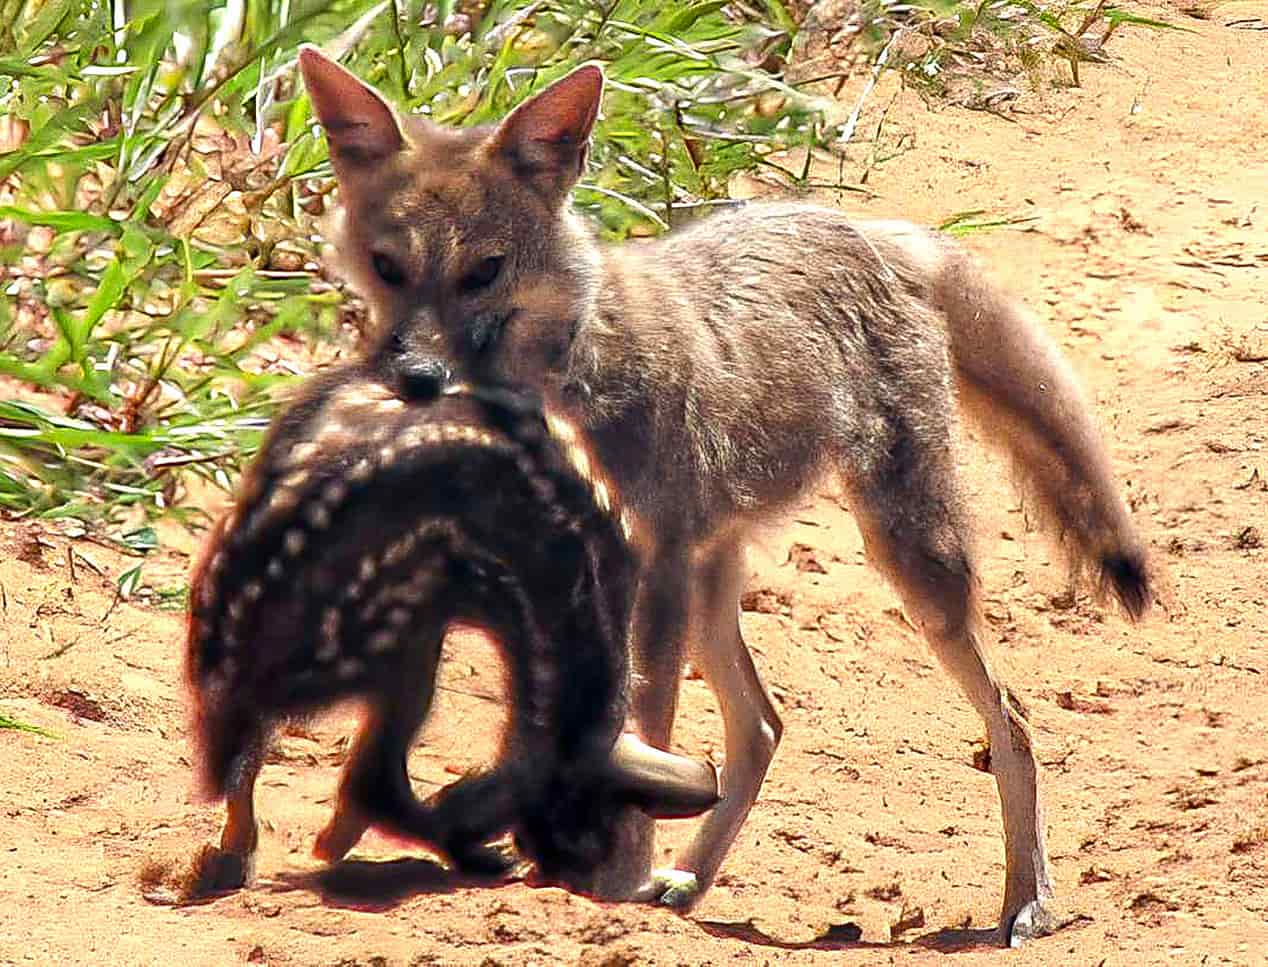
(545, 138)
(360, 126)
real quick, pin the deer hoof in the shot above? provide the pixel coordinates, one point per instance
(217, 871)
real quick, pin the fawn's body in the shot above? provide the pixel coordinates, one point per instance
(368, 524)
(716, 374)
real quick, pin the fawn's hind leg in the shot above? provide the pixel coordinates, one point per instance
(914, 527)
(218, 869)
(375, 788)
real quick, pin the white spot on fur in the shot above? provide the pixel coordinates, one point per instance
(398, 617)
(318, 516)
(348, 669)
(282, 502)
(335, 493)
(380, 642)
(399, 550)
(252, 591)
(387, 456)
(361, 471)
(275, 569)
(294, 542)
(302, 453)
(368, 568)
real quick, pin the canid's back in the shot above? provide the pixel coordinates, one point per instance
(776, 340)
(781, 337)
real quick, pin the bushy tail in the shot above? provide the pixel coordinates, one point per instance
(1014, 381)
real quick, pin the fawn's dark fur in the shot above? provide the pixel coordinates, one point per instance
(367, 525)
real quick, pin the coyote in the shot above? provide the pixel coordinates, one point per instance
(368, 523)
(716, 375)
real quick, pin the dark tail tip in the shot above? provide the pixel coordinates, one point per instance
(1125, 575)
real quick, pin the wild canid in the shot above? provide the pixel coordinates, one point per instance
(715, 375)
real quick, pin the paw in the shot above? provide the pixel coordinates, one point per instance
(1033, 920)
(216, 871)
(677, 889)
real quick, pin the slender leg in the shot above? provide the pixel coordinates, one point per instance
(751, 722)
(375, 787)
(658, 640)
(914, 529)
(229, 866)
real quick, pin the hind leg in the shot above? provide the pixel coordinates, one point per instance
(375, 787)
(229, 866)
(914, 528)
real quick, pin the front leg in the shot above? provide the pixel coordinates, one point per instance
(751, 724)
(658, 641)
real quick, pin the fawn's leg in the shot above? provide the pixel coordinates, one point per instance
(230, 865)
(914, 529)
(375, 788)
(752, 725)
(658, 639)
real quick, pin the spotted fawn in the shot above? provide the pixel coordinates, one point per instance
(372, 519)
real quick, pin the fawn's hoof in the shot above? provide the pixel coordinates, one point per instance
(342, 833)
(480, 860)
(1033, 920)
(677, 889)
(217, 871)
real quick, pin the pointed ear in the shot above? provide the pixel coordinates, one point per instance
(546, 137)
(661, 784)
(360, 126)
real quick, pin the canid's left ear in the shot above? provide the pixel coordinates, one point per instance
(545, 138)
(360, 126)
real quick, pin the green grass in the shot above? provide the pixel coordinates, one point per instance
(8, 722)
(161, 179)
(158, 209)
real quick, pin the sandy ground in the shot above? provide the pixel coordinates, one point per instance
(1147, 256)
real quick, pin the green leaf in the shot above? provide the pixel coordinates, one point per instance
(62, 221)
(107, 296)
(45, 22)
(129, 581)
(143, 539)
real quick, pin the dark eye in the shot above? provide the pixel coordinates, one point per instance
(483, 275)
(387, 268)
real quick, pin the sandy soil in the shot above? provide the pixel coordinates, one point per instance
(1147, 255)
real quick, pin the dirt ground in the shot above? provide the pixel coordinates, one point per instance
(1147, 256)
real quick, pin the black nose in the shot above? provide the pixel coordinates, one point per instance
(420, 377)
